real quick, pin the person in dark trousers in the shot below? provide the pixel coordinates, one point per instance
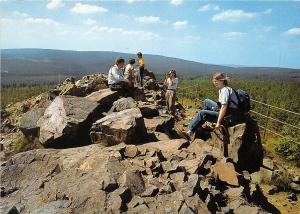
(141, 63)
(215, 111)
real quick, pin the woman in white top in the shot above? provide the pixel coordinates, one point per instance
(171, 82)
(215, 111)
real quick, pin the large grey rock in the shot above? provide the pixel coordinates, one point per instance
(122, 104)
(162, 123)
(66, 121)
(28, 121)
(125, 126)
(242, 144)
(105, 98)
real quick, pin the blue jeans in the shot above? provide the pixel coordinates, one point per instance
(209, 113)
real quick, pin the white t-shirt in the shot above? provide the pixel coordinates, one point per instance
(128, 70)
(115, 75)
(174, 84)
(224, 94)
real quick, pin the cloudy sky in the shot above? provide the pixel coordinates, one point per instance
(256, 33)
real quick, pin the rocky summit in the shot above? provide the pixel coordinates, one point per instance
(82, 148)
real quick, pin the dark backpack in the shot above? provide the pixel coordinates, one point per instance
(243, 100)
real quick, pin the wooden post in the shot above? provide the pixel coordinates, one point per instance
(267, 124)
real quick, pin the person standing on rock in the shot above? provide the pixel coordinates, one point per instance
(171, 82)
(129, 72)
(215, 111)
(141, 62)
(116, 79)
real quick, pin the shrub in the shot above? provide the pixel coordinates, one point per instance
(289, 148)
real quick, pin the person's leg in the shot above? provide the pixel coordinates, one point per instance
(167, 97)
(209, 104)
(173, 109)
(201, 117)
(142, 75)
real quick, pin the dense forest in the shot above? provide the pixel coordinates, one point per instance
(283, 94)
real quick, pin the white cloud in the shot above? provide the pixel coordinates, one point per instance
(268, 29)
(53, 4)
(148, 19)
(267, 11)
(87, 9)
(190, 39)
(144, 35)
(90, 22)
(176, 2)
(209, 7)
(233, 16)
(293, 31)
(180, 24)
(233, 35)
(19, 14)
(41, 21)
(238, 15)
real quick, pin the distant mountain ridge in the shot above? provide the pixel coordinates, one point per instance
(31, 65)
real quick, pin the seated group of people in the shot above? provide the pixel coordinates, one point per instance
(122, 78)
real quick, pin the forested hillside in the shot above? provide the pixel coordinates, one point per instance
(36, 65)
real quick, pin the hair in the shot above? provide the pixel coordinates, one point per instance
(221, 77)
(119, 61)
(139, 54)
(173, 71)
(131, 61)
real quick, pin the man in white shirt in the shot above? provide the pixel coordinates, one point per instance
(116, 79)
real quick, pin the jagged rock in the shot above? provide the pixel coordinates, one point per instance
(105, 98)
(161, 123)
(134, 181)
(131, 151)
(150, 191)
(138, 94)
(243, 145)
(247, 209)
(169, 146)
(149, 111)
(225, 172)
(125, 126)
(263, 175)
(91, 83)
(28, 122)
(66, 120)
(122, 104)
(150, 84)
(294, 187)
(150, 74)
(160, 136)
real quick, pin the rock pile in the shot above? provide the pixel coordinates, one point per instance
(133, 161)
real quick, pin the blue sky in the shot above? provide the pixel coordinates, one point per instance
(252, 33)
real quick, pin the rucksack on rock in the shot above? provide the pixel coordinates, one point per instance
(243, 99)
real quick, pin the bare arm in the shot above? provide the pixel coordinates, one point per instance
(221, 115)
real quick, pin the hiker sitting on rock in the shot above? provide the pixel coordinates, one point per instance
(116, 79)
(171, 82)
(215, 111)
